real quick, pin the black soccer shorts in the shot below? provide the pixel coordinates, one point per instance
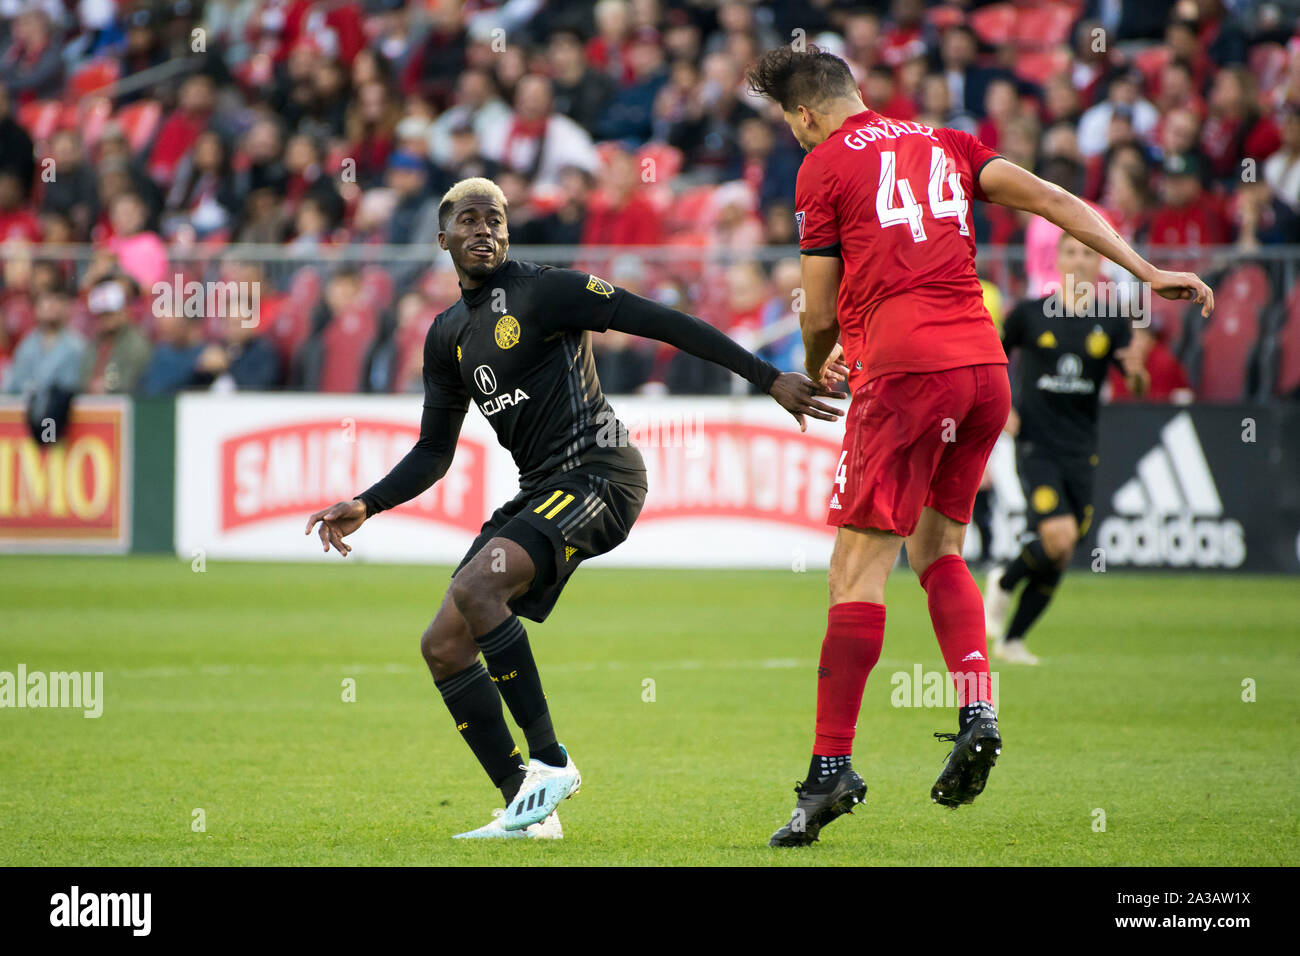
(1056, 484)
(574, 516)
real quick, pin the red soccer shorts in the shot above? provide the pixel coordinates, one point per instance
(918, 439)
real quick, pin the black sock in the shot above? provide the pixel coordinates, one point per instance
(823, 768)
(475, 705)
(510, 662)
(510, 786)
(1033, 601)
(967, 714)
(1031, 560)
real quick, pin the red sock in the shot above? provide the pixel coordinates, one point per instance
(957, 612)
(855, 632)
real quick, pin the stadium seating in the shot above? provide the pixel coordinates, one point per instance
(91, 78)
(1226, 351)
(1280, 361)
(344, 345)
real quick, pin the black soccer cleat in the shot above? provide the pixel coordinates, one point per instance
(974, 752)
(818, 806)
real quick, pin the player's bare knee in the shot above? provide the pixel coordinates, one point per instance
(477, 595)
(445, 651)
(1059, 540)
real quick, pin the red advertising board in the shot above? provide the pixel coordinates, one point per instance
(74, 491)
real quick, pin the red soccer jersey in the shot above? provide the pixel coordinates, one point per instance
(892, 199)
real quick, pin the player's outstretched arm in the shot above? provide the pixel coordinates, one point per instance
(411, 477)
(1007, 184)
(793, 392)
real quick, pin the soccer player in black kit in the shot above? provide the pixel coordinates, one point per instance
(1067, 342)
(518, 344)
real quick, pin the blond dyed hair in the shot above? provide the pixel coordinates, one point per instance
(474, 188)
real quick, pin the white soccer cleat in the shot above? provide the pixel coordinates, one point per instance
(1014, 652)
(997, 605)
(548, 829)
(543, 788)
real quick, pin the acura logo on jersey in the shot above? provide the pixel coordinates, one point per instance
(485, 379)
(502, 401)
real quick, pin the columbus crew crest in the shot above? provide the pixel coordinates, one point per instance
(507, 332)
(599, 286)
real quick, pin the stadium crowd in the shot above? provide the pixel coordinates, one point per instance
(165, 134)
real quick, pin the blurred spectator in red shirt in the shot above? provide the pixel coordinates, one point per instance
(881, 91)
(1001, 106)
(1168, 378)
(902, 33)
(620, 213)
(1125, 200)
(371, 126)
(1186, 216)
(180, 129)
(1177, 89)
(607, 50)
(1235, 129)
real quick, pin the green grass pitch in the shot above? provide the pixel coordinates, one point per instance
(223, 691)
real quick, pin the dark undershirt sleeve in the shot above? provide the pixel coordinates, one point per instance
(639, 316)
(423, 465)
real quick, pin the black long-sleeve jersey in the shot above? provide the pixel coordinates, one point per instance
(519, 346)
(1062, 365)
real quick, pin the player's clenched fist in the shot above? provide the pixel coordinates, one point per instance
(337, 522)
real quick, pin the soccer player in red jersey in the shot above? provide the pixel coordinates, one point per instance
(893, 303)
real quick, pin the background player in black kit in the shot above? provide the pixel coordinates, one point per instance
(1067, 341)
(518, 344)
